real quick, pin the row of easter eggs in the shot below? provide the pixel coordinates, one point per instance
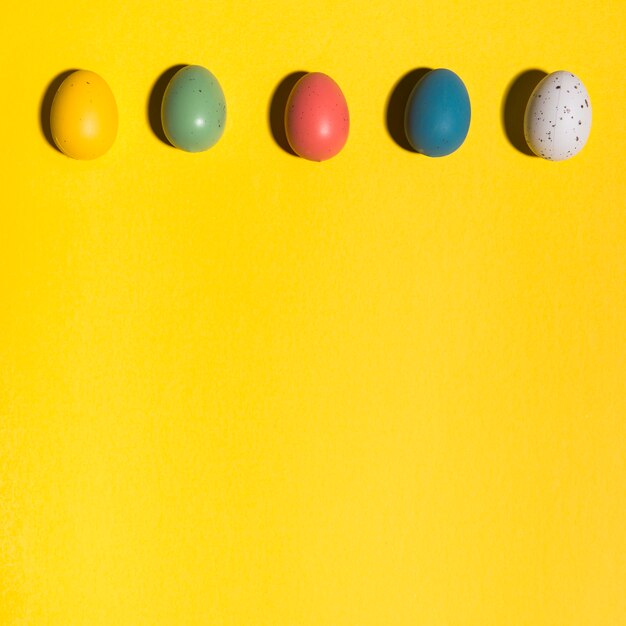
(84, 118)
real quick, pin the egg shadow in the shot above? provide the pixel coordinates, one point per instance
(277, 107)
(45, 106)
(514, 107)
(155, 99)
(396, 106)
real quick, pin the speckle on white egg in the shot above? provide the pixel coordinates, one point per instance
(558, 117)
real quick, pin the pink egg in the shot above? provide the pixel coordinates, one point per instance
(316, 118)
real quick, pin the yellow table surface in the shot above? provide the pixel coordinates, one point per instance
(240, 388)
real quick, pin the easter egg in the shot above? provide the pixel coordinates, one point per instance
(557, 121)
(193, 110)
(317, 121)
(83, 116)
(437, 115)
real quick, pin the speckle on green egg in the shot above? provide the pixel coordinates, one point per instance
(193, 111)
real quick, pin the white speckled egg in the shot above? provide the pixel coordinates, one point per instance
(558, 117)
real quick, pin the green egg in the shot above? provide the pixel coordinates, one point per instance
(193, 111)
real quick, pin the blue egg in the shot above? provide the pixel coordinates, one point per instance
(437, 115)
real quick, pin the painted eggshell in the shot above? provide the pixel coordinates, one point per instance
(317, 121)
(83, 116)
(438, 114)
(193, 111)
(557, 122)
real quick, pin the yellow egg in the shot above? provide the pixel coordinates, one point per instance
(83, 117)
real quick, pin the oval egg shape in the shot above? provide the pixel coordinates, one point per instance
(557, 121)
(193, 110)
(438, 113)
(83, 116)
(317, 121)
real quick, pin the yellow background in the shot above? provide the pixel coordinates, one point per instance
(240, 388)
